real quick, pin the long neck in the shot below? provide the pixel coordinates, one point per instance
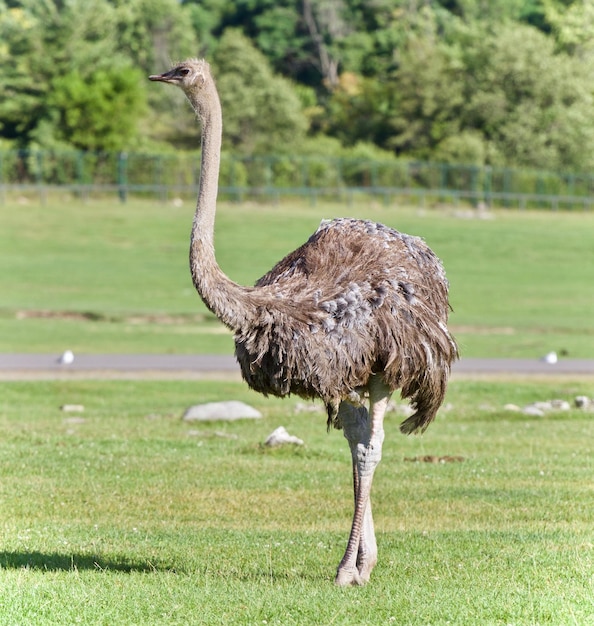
(226, 299)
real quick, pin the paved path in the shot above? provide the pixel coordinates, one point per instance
(35, 366)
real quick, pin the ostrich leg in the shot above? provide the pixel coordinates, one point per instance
(367, 549)
(365, 434)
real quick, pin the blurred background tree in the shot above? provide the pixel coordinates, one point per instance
(504, 82)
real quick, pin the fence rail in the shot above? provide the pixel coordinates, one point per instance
(164, 176)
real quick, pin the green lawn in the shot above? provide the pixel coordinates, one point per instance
(521, 282)
(124, 514)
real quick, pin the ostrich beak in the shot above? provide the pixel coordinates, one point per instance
(167, 77)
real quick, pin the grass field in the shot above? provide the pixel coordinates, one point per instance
(124, 514)
(100, 276)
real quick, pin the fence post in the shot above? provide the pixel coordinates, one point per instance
(158, 178)
(123, 176)
(268, 175)
(304, 171)
(39, 176)
(488, 184)
(443, 175)
(235, 193)
(80, 173)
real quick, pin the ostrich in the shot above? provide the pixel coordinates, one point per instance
(355, 313)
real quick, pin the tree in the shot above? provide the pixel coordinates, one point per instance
(70, 71)
(409, 108)
(573, 27)
(98, 113)
(153, 32)
(429, 86)
(262, 112)
(65, 84)
(533, 104)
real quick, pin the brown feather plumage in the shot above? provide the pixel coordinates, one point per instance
(358, 299)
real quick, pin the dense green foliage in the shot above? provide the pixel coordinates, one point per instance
(509, 82)
(125, 514)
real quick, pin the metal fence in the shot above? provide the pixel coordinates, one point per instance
(165, 176)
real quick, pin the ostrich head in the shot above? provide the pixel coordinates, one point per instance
(191, 76)
(188, 74)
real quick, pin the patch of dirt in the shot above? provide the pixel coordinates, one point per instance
(90, 316)
(431, 458)
(62, 315)
(509, 330)
(483, 330)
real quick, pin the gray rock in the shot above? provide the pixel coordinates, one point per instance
(560, 405)
(582, 402)
(220, 411)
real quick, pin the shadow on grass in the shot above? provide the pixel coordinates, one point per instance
(54, 562)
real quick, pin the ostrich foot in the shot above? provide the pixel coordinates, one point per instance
(349, 576)
(365, 569)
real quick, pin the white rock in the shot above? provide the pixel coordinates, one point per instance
(512, 407)
(551, 405)
(545, 405)
(280, 436)
(550, 358)
(66, 358)
(73, 408)
(223, 411)
(532, 410)
(310, 407)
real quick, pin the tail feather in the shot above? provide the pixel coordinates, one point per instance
(332, 412)
(426, 397)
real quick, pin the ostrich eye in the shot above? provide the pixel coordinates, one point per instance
(184, 71)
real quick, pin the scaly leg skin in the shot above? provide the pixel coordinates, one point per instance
(367, 551)
(365, 434)
(367, 554)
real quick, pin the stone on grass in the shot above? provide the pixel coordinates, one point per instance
(72, 408)
(560, 405)
(582, 402)
(533, 410)
(538, 409)
(543, 405)
(280, 436)
(307, 407)
(221, 411)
